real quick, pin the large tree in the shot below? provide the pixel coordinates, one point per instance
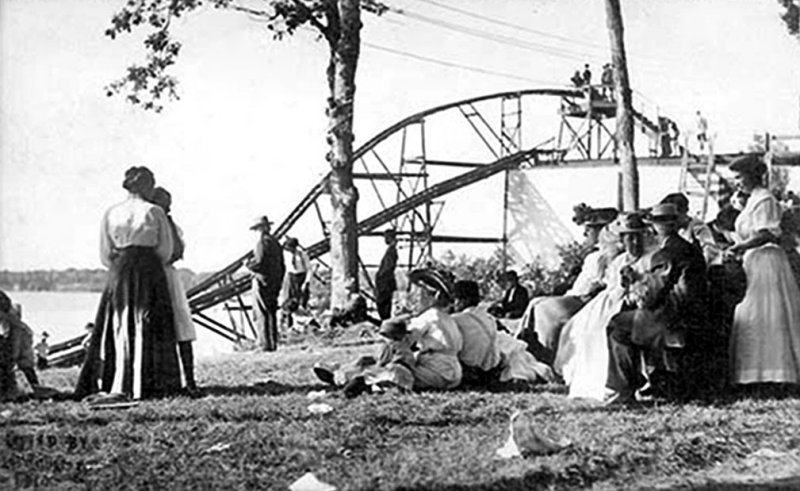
(339, 23)
(622, 89)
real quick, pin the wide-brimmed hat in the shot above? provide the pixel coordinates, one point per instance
(663, 212)
(432, 279)
(749, 164)
(260, 222)
(394, 328)
(292, 242)
(631, 223)
(599, 217)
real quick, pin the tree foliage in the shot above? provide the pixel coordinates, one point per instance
(149, 84)
(791, 16)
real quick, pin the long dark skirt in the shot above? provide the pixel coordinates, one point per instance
(133, 348)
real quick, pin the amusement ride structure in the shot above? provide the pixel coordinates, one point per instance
(407, 170)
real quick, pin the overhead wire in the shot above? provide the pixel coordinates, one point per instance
(646, 63)
(455, 65)
(497, 38)
(514, 26)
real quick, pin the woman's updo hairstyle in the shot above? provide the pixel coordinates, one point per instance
(750, 165)
(138, 179)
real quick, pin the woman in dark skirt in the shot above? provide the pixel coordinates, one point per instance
(133, 349)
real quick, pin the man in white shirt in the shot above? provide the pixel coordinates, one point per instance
(478, 356)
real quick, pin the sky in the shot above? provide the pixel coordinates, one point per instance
(247, 135)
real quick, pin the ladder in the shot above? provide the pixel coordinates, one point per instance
(699, 177)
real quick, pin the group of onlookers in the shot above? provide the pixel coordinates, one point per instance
(634, 319)
(656, 286)
(450, 341)
(660, 295)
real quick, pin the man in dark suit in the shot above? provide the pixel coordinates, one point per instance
(385, 283)
(268, 269)
(671, 302)
(515, 298)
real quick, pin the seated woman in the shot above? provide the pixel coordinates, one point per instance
(16, 349)
(545, 316)
(582, 355)
(426, 345)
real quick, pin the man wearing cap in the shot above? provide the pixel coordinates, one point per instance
(385, 283)
(268, 269)
(671, 304)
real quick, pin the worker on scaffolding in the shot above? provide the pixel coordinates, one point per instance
(607, 79)
(268, 269)
(702, 130)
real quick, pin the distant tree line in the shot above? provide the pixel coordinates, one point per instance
(71, 280)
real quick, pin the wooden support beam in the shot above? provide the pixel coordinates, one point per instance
(383, 176)
(446, 163)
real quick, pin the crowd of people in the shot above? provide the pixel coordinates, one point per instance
(658, 290)
(664, 305)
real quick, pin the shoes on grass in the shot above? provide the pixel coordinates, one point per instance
(325, 375)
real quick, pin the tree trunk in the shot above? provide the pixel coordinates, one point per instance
(344, 44)
(622, 94)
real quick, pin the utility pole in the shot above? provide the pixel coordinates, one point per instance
(624, 112)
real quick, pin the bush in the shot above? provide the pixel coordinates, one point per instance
(537, 276)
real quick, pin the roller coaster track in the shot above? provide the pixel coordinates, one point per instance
(505, 148)
(241, 285)
(321, 186)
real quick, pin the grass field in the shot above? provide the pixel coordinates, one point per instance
(254, 431)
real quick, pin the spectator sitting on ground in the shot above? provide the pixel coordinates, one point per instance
(478, 356)
(426, 344)
(17, 349)
(490, 358)
(366, 374)
(515, 298)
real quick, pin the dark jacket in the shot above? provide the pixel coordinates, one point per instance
(515, 301)
(267, 264)
(384, 278)
(681, 302)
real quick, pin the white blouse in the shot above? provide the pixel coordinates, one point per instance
(435, 331)
(135, 222)
(762, 212)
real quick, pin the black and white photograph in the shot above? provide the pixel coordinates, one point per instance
(318, 245)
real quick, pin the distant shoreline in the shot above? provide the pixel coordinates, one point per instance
(72, 280)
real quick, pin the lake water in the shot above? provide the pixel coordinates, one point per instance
(64, 314)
